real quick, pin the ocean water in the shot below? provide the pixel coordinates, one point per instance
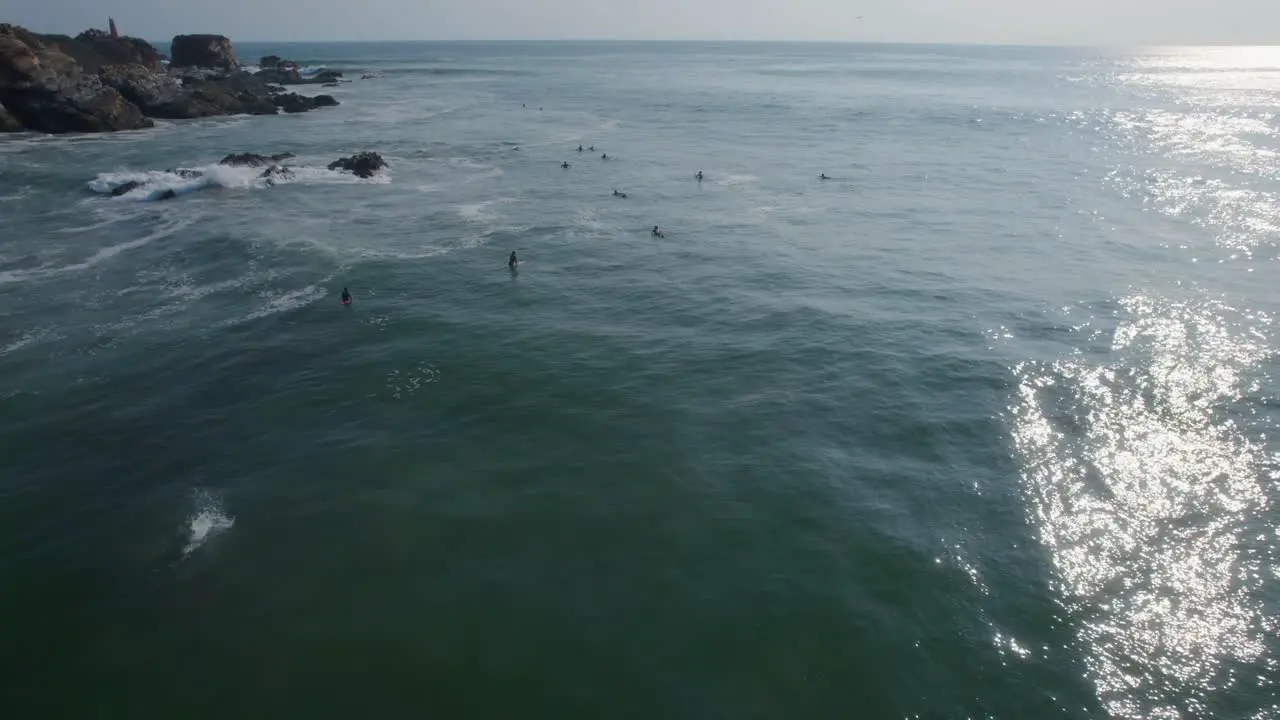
(984, 426)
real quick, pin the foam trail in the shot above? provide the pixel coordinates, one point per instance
(208, 519)
(106, 253)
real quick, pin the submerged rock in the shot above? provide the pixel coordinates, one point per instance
(325, 101)
(253, 159)
(205, 51)
(363, 164)
(286, 72)
(125, 188)
(276, 173)
(167, 194)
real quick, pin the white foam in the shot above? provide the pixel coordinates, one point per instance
(291, 300)
(31, 337)
(23, 191)
(206, 521)
(481, 212)
(106, 253)
(153, 183)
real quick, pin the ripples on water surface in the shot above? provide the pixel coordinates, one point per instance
(981, 427)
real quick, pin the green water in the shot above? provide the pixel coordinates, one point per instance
(980, 427)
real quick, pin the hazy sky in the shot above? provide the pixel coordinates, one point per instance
(1092, 22)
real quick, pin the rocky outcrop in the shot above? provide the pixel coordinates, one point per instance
(278, 76)
(294, 103)
(237, 94)
(155, 94)
(205, 51)
(8, 123)
(325, 101)
(168, 96)
(97, 83)
(93, 49)
(363, 164)
(125, 188)
(45, 89)
(253, 159)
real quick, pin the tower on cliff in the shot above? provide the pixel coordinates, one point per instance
(112, 22)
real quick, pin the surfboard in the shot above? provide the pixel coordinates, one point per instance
(346, 302)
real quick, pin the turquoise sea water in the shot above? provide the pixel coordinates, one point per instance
(981, 427)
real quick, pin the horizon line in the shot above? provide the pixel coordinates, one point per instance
(763, 41)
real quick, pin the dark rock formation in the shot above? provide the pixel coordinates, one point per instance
(253, 159)
(325, 101)
(93, 49)
(8, 123)
(189, 95)
(363, 164)
(206, 51)
(288, 76)
(155, 94)
(98, 83)
(101, 49)
(237, 94)
(125, 188)
(167, 195)
(47, 90)
(294, 103)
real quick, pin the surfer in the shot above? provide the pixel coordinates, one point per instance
(579, 148)
(604, 156)
(564, 165)
(657, 232)
(619, 194)
(823, 176)
(346, 297)
(592, 148)
(512, 261)
(699, 176)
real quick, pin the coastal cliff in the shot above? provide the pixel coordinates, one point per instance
(96, 82)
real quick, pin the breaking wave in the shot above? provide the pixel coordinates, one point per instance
(162, 184)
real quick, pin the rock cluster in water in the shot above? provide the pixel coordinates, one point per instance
(97, 83)
(363, 164)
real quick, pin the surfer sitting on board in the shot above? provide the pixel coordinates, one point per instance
(657, 232)
(512, 261)
(346, 297)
